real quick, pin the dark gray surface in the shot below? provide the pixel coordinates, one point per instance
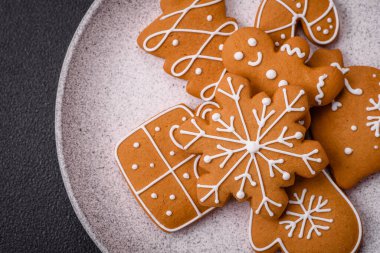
(36, 215)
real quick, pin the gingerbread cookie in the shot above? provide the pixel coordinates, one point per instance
(161, 176)
(250, 53)
(279, 18)
(190, 35)
(349, 128)
(319, 218)
(251, 147)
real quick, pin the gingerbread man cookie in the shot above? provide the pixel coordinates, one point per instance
(349, 128)
(319, 218)
(251, 147)
(250, 53)
(161, 176)
(190, 35)
(279, 18)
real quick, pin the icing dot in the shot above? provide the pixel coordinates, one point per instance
(153, 195)
(376, 147)
(277, 43)
(209, 18)
(172, 197)
(329, 20)
(319, 28)
(175, 43)
(298, 5)
(271, 74)
(299, 135)
(239, 56)
(207, 159)
(135, 166)
(286, 176)
(136, 145)
(216, 116)
(348, 151)
(283, 36)
(252, 42)
(198, 71)
(157, 129)
(240, 194)
(282, 83)
(186, 175)
(326, 31)
(169, 213)
(374, 75)
(331, 27)
(354, 128)
(301, 122)
(221, 47)
(151, 165)
(184, 118)
(266, 101)
(172, 153)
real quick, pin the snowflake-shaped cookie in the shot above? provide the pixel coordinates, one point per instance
(252, 146)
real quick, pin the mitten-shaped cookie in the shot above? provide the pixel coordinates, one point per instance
(319, 218)
(160, 175)
(251, 146)
(190, 35)
(349, 129)
(279, 18)
(250, 53)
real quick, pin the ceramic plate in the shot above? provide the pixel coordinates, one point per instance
(109, 86)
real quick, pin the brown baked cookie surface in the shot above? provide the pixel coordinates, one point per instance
(250, 53)
(349, 128)
(190, 35)
(319, 218)
(279, 18)
(161, 176)
(251, 146)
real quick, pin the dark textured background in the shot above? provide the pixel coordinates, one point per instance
(35, 212)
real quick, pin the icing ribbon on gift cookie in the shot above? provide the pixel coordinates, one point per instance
(318, 218)
(279, 18)
(349, 129)
(190, 35)
(250, 53)
(251, 147)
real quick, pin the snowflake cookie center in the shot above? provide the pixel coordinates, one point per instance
(252, 147)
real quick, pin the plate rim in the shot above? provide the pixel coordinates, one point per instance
(71, 50)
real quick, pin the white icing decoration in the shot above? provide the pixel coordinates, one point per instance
(172, 153)
(172, 197)
(258, 61)
(376, 147)
(335, 105)
(331, 27)
(184, 118)
(151, 165)
(277, 43)
(238, 56)
(213, 86)
(348, 151)
(374, 75)
(283, 36)
(169, 213)
(157, 129)
(321, 94)
(136, 145)
(221, 47)
(186, 175)
(283, 83)
(209, 18)
(354, 128)
(153, 195)
(329, 20)
(344, 71)
(374, 121)
(201, 112)
(301, 122)
(302, 16)
(319, 28)
(135, 166)
(251, 149)
(252, 42)
(309, 215)
(326, 31)
(291, 52)
(298, 5)
(198, 71)
(271, 74)
(175, 43)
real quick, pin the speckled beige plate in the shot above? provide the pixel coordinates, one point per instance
(108, 86)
